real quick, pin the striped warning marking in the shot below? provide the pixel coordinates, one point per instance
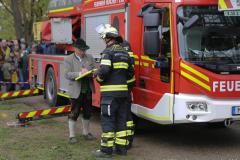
(19, 93)
(44, 112)
(225, 4)
(195, 76)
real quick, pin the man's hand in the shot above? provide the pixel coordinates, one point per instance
(95, 73)
(84, 70)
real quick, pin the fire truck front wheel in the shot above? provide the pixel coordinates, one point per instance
(51, 88)
(225, 124)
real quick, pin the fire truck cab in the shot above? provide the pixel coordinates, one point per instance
(187, 54)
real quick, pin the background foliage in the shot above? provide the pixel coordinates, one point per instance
(17, 17)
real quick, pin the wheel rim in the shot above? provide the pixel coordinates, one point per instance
(50, 87)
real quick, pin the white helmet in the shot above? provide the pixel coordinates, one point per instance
(107, 31)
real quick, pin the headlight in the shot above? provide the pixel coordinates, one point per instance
(197, 106)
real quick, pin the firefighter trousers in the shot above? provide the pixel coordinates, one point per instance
(130, 122)
(113, 120)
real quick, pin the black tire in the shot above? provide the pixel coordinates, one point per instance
(217, 125)
(51, 88)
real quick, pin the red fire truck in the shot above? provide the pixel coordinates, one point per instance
(187, 54)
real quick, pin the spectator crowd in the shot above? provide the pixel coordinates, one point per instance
(13, 65)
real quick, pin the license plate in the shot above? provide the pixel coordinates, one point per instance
(236, 110)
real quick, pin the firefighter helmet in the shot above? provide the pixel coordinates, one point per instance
(107, 31)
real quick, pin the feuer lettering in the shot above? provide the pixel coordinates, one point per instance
(226, 86)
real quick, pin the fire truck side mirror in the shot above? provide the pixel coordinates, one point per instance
(151, 43)
(151, 33)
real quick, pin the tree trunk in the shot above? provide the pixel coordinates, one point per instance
(24, 13)
(30, 19)
(18, 25)
(28, 31)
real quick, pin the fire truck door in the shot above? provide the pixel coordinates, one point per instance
(155, 80)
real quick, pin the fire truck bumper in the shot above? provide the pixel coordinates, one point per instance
(199, 108)
(161, 113)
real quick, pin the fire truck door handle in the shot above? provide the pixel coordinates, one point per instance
(142, 83)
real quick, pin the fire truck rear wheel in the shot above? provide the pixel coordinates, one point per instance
(51, 88)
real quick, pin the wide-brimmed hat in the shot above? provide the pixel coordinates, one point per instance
(80, 44)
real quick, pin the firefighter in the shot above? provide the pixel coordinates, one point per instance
(80, 91)
(131, 83)
(115, 70)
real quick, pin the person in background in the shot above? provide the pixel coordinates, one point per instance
(11, 46)
(18, 53)
(14, 66)
(41, 47)
(51, 49)
(8, 70)
(33, 48)
(5, 49)
(1, 64)
(23, 66)
(131, 83)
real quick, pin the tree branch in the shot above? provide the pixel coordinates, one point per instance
(6, 7)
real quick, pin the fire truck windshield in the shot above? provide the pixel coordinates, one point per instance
(210, 40)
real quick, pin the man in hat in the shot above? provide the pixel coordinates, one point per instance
(80, 91)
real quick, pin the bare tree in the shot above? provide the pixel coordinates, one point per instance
(24, 13)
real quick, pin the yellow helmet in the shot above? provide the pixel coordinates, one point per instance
(107, 31)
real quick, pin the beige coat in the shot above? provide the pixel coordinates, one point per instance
(72, 68)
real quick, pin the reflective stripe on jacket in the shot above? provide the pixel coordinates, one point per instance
(115, 68)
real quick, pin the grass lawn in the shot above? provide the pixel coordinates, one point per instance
(42, 140)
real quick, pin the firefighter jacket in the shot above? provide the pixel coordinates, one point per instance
(115, 70)
(131, 79)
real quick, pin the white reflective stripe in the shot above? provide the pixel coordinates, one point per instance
(108, 135)
(108, 88)
(120, 65)
(113, 86)
(109, 112)
(121, 134)
(123, 142)
(106, 62)
(130, 124)
(107, 144)
(114, 89)
(131, 80)
(130, 132)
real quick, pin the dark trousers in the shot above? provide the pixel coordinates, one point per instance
(130, 123)
(1, 78)
(10, 87)
(113, 121)
(23, 77)
(84, 102)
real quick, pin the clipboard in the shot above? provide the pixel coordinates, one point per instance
(86, 74)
